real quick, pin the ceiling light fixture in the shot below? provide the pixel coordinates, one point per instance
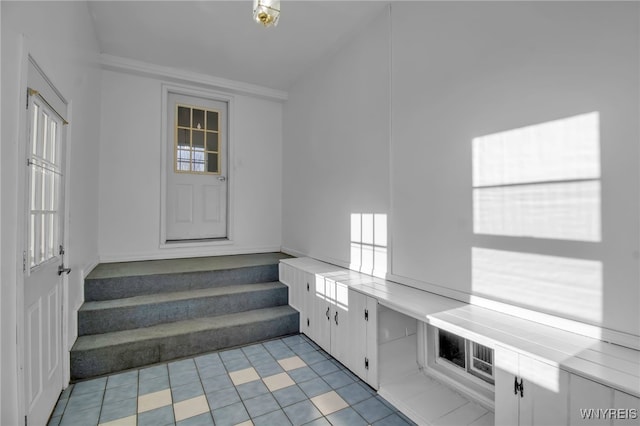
(266, 12)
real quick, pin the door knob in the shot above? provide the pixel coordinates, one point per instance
(222, 178)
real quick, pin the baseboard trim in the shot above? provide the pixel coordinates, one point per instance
(88, 267)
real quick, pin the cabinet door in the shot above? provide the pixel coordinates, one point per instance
(358, 332)
(586, 400)
(306, 294)
(545, 387)
(341, 343)
(528, 391)
(372, 341)
(507, 399)
(363, 331)
(628, 409)
(321, 314)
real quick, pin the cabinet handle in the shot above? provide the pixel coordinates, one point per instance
(335, 317)
(307, 286)
(518, 387)
(328, 315)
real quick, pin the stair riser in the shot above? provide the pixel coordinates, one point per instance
(85, 364)
(117, 288)
(117, 319)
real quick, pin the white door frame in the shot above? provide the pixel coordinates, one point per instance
(22, 233)
(165, 164)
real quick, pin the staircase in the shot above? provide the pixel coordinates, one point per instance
(141, 313)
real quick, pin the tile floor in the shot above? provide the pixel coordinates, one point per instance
(280, 382)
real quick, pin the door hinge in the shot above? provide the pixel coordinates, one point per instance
(518, 387)
(366, 363)
(307, 286)
(366, 315)
(307, 322)
(24, 261)
(25, 420)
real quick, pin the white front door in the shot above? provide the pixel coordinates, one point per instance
(197, 173)
(43, 366)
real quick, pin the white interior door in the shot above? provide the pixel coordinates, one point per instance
(197, 174)
(43, 366)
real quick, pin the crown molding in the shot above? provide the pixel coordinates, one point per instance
(118, 63)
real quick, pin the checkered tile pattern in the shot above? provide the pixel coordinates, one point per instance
(288, 381)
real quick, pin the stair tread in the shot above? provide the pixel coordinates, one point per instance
(177, 296)
(99, 341)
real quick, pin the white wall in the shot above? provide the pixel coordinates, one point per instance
(464, 70)
(60, 37)
(130, 172)
(336, 146)
(460, 70)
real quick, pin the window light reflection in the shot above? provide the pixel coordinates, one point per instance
(369, 243)
(540, 181)
(556, 285)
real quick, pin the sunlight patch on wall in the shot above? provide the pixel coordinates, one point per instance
(539, 181)
(555, 285)
(567, 211)
(563, 149)
(369, 243)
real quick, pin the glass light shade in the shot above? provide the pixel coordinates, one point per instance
(266, 12)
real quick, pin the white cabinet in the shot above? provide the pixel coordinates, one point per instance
(330, 317)
(586, 395)
(592, 403)
(341, 343)
(306, 289)
(528, 391)
(363, 332)
(341, 321)
(629, 406)
(532, 392)
(346, 327)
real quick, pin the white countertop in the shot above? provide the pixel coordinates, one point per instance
(609, 364)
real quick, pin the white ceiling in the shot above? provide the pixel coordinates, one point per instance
(219, 38)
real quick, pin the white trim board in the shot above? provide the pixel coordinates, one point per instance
(117, 63)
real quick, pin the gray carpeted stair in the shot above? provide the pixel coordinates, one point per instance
(197, 306)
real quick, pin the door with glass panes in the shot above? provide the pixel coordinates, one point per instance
(43, 260)
(197, 183)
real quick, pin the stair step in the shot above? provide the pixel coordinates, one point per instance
(147, 310)
(99, 287)
(99, 354)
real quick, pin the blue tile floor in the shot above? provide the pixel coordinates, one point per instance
(288, 381)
